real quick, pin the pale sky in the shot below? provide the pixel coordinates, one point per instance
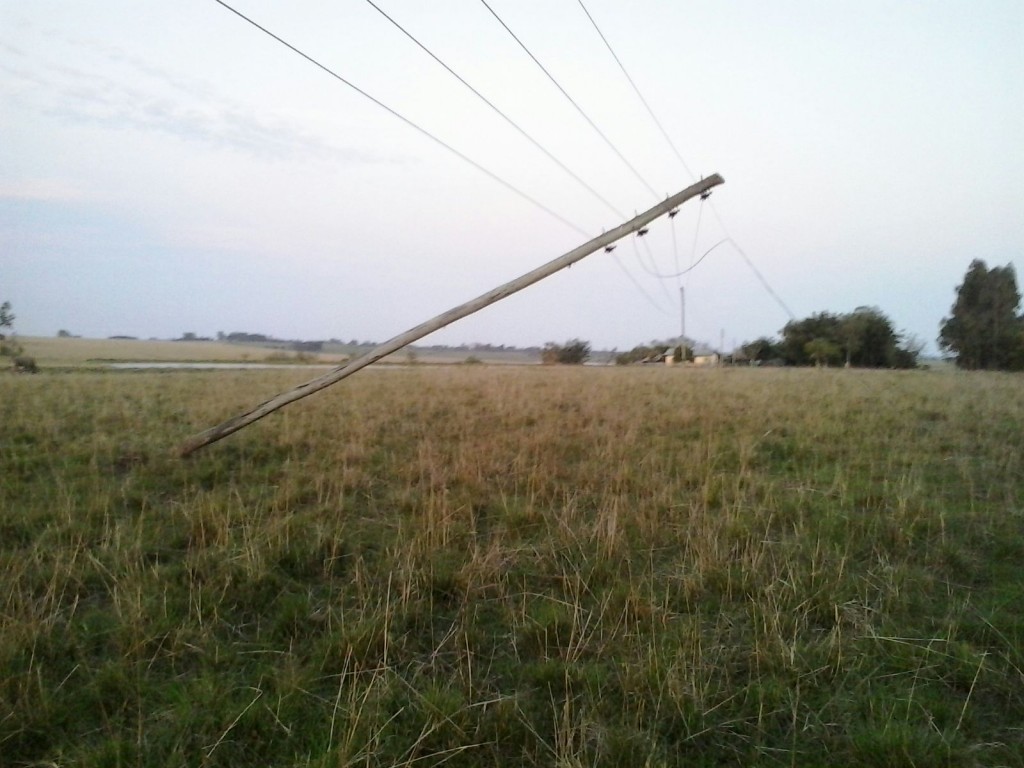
(166, 167)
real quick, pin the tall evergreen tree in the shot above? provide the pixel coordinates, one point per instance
(984, 331)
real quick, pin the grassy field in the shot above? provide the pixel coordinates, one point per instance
(77, 352)
(480, 566)
(51, 352)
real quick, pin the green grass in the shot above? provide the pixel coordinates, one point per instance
(480, 566)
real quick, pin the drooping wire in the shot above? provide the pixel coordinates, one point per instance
(511, 122)
(664, 133)
(696, 232)
(750, 264)
(572, 101)
(653, 270)
(500, 113)
(675, 244)
(637, 91)
(679, 156)
(592, 124)
(440, 142)
(636, 284)
(695, 264)
(508, 185)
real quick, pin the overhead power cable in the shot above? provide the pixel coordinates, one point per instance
(696, 233)
(502, 114)
(636, 284)
(750, 264)
(653, 269)
(695, 264)
(572, 101)
(637, 91)
(508, 185)
(728, 237)
(526, 135)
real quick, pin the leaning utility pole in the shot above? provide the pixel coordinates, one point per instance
(232, 425)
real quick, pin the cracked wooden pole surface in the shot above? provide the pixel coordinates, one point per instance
(232, 425)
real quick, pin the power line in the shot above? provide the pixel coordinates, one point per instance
(526, 135)
(572, 101)
(759, 275)
(636, 284)
(653, 270)
(508, 185)
(444, 144)
(502, 114)
(750, 264)
(678, 274)
(679, 156)
(693, 265)
(637, 91)
(696, 233)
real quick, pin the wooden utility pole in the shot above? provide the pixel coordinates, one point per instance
(232, 425)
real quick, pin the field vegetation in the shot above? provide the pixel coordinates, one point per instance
(76, 352)
(546, 566)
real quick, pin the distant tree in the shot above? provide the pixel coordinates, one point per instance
(6, 316)
(573, 352)
(864, 338)
(642, 353)
(868, 338)
(908, 352)
(761, 350)
(798, 333)
(241, 336)
(63, 334)
(822, 351)
(8, 348)
(852, 331)
(983, 331)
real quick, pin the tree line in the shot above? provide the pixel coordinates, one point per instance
(984, 331)
(864, 338)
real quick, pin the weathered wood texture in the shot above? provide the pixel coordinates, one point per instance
(232, 425)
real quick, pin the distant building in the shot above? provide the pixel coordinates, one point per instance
(706, 357)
